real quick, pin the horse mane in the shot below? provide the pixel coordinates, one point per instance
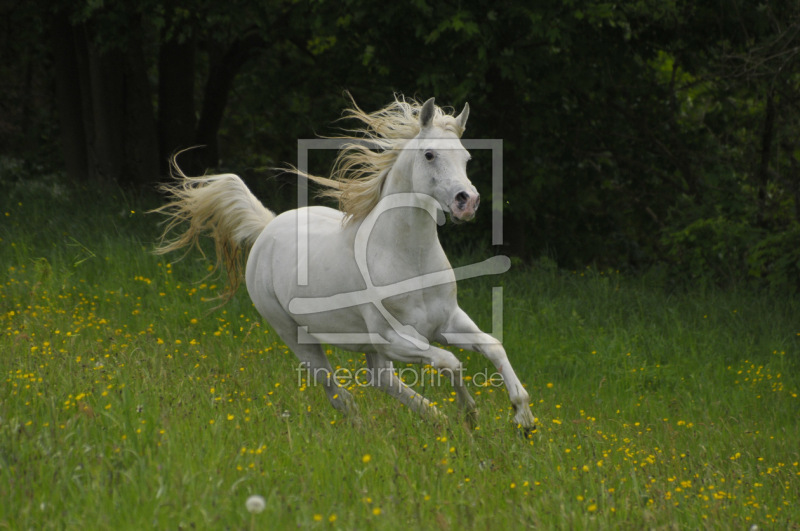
(361, 167)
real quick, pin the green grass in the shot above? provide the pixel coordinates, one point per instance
(129, 402)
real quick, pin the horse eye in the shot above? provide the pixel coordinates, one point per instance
(429, 155)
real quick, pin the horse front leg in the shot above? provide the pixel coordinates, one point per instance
(464, 333)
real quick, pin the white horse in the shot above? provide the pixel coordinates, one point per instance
(371, 277)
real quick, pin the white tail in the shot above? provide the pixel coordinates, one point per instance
(220, 206)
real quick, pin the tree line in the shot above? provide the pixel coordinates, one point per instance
(636, 134)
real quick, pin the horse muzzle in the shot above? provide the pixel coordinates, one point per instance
(465, 205)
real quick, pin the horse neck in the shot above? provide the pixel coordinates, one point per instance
(408, 233)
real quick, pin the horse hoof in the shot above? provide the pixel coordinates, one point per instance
(527, 432)
(472, 418)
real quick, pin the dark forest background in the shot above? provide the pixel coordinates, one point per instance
(649, 135)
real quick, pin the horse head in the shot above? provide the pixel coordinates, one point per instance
(440, 162)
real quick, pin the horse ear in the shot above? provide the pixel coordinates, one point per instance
(426, 113)
(461, 119)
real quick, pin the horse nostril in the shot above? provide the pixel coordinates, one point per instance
(462, 197)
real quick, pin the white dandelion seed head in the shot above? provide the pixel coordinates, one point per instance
(255, 504)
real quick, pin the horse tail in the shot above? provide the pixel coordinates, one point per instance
(220, 206)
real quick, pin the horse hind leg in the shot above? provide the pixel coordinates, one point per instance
(383, 377)
(316, 368)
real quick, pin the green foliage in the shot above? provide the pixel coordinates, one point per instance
(710, 250)
(635, 134)
(776, 259)
(721, 251)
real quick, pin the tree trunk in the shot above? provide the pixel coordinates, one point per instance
(139, 126)
(105, 106)
(68, 98)
(224, 69)
(176, 119)
(762, 173)
(81, 46)
(506, 115)
(106, 145)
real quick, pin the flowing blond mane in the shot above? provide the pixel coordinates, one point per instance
(361, 167)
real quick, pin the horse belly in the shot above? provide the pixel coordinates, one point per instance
(274, 278)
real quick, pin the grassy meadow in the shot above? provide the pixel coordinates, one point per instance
(128, 401)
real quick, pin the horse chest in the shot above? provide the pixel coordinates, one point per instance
(427, 310)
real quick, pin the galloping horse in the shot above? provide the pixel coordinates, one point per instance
(375, 277)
